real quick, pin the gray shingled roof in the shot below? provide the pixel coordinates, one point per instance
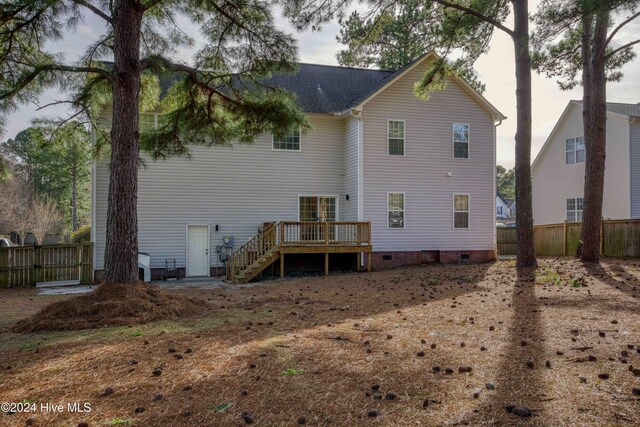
(330, 89)
(632, 110)
(324, 88)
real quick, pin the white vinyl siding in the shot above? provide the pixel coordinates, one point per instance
(395, 210)
(236, 187)
(395, 136)
(574, 209)
(461, 211)
(460, 140)
(290, 141)
(575, 150)
(428, 174)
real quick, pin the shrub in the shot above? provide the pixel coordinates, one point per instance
(82, 234)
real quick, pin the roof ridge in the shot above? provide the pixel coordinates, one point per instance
(345, 67)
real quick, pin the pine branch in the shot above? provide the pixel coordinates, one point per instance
(623, 47)
(93, 8)
(24, 82)
(477, 14)
(622, 24)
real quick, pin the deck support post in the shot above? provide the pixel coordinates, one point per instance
(326, 263)
(369, 261)
(281, 265)
(358, 261)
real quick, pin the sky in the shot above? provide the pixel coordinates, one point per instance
(496, 70)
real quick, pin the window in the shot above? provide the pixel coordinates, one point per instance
(460, 141)
(290, 141)
(460, 211)
(395, 210)
(498, 210)
(574, 209)
(148, 121)
(575, 151)
(395, 136)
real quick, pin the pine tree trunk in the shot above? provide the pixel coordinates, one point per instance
(121, 252)
(526, 256)
(595, 104)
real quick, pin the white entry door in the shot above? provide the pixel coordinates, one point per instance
(197, 250)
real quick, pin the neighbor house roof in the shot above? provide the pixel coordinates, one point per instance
(631, 110)
(501, 197)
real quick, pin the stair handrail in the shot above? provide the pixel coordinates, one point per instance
(258, 246)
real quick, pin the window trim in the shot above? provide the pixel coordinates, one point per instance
(575, 211)
(336, 197)
(574, 151)
(146, 113)
(404, 139)
(284, 149)
(453, 140)
(453, 213)
(404, 210)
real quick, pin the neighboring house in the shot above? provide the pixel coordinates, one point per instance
(558, 170)
(422, 172)
(502, 207)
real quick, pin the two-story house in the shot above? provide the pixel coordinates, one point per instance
(558, 170)
(422, 172)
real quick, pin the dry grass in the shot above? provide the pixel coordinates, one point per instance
(314, 348)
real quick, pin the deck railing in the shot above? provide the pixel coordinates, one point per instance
(259, 245)
(338, 233)
(297, 233)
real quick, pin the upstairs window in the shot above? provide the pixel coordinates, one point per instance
(498, 210)
(460, 211)
(395, 210)
(289, 141)
(395, 137)
(574, 209)
(460, 141)
(575, 150)
(148, 121)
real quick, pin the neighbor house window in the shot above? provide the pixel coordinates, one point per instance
(499, 210)
(395, 136)
(395, 210)
(460, 141)
(289, 141)
(148, 121)
(460, 211)
(575, 150)
(574, 209)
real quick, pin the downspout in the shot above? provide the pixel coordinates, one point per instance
(360, 169)
(495, 189)
(93, 203)
(631, 122)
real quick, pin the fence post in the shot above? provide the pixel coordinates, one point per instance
(564, 239)
(602, 237)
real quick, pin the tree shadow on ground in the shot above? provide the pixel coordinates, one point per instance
(519, 380)
(627, 282)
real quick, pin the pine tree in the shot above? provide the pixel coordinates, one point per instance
(577, 42)
(213, 101)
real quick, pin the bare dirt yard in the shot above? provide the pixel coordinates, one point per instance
(433, 345)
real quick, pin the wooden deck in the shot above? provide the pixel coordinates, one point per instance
(277, 239)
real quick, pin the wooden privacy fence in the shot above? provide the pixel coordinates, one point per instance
(618, 238)
(28, 265)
